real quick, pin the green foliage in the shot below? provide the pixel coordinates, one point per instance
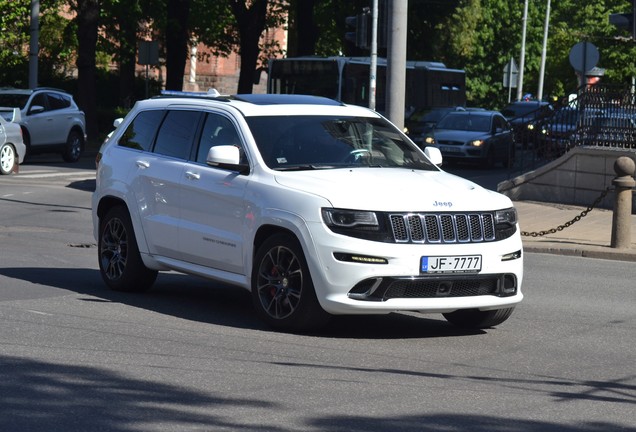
(481, 36)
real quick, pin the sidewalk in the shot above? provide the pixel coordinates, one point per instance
(589, 237)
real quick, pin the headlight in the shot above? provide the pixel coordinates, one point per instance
(339, 218)
(507, 216)
(477, 143)
(429, 140)
(530, 126)
(360, 224)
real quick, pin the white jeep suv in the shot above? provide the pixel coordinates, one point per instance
(318, 208)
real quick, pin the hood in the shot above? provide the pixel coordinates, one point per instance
(457, 135)
(394, 189)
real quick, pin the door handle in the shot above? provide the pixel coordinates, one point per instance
(143, 164)
(192, 175)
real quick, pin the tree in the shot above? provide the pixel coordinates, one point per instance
(176, 36)
(87, 26)
(251, 23)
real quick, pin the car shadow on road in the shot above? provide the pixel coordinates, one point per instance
(201, 300)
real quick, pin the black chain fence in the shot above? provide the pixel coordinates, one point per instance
(572, 221)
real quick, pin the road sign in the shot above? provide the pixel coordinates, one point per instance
(584, 56)
(511, 74)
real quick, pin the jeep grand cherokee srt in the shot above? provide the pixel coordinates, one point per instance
(316, 207)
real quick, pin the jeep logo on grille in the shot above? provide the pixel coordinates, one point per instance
(447, 204)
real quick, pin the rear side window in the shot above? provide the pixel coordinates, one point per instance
(57, 101)
(141, 132)
(176, 134)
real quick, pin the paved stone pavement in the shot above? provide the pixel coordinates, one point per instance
(591, 236)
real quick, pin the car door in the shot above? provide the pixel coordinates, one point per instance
(213, 209)
(37, 119)
(166, 138)
(59, 117)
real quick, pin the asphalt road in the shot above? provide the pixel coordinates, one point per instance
(190, 355)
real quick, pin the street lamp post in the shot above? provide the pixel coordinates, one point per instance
(523, 50)
(34, 30)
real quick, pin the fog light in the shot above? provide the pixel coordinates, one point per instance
(364, 259)
(511, 256)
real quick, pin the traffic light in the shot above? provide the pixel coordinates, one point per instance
(625, 21)
(361, 26)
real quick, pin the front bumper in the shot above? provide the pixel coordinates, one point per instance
(369, 287)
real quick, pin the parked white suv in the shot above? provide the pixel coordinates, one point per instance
(50, 120)
(316, 207)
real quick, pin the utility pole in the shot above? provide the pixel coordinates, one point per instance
(396, 62)
(543, 51)
(523, 50)
(374, 54)
(34, 45)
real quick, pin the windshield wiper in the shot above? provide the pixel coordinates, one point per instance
(307, 167)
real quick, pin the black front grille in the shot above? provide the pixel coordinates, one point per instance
(443, 227)
(382, 289)
(440, 288)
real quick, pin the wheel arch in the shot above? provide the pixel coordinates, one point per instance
(106, 203)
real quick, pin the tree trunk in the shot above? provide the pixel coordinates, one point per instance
(127, 62)
(306, 28)
(87, 23)
(177, 35)
(251, 23)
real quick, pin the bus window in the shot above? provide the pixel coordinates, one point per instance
(310, 77)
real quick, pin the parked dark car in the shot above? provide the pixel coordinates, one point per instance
(484, 137)
(609, 129)
(525, 118)
(422, 121)
(557, 132)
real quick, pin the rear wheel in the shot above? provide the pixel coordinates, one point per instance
(120, 263)
(73, 148)
(476, 319)
(8, 159)
(282, 290)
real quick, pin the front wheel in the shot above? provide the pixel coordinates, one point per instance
(8, 159)
(282, 290)
(73, 148)
(476, 319)
(120, 263)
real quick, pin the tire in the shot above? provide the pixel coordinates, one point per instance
(8, 159)
(74, 145)
(489, 161)
(510, 157)
(120, 263)
(282, 290)
(476, 319)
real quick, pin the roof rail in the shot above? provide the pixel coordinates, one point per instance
(211, 93)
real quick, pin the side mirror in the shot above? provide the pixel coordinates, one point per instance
(36, 109)
(434, 155)
(226, 156)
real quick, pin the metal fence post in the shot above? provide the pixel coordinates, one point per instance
(621, 219)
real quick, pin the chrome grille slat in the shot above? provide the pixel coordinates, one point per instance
(442, 227)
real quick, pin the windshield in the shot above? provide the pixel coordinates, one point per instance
(13, 100)
(318, 142)
(465, 122)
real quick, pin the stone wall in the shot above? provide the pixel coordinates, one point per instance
(576, 178)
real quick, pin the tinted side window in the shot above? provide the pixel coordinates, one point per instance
(217, 130)
(39, 100)
(58, 101)
(177, 133)
(141, 132)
